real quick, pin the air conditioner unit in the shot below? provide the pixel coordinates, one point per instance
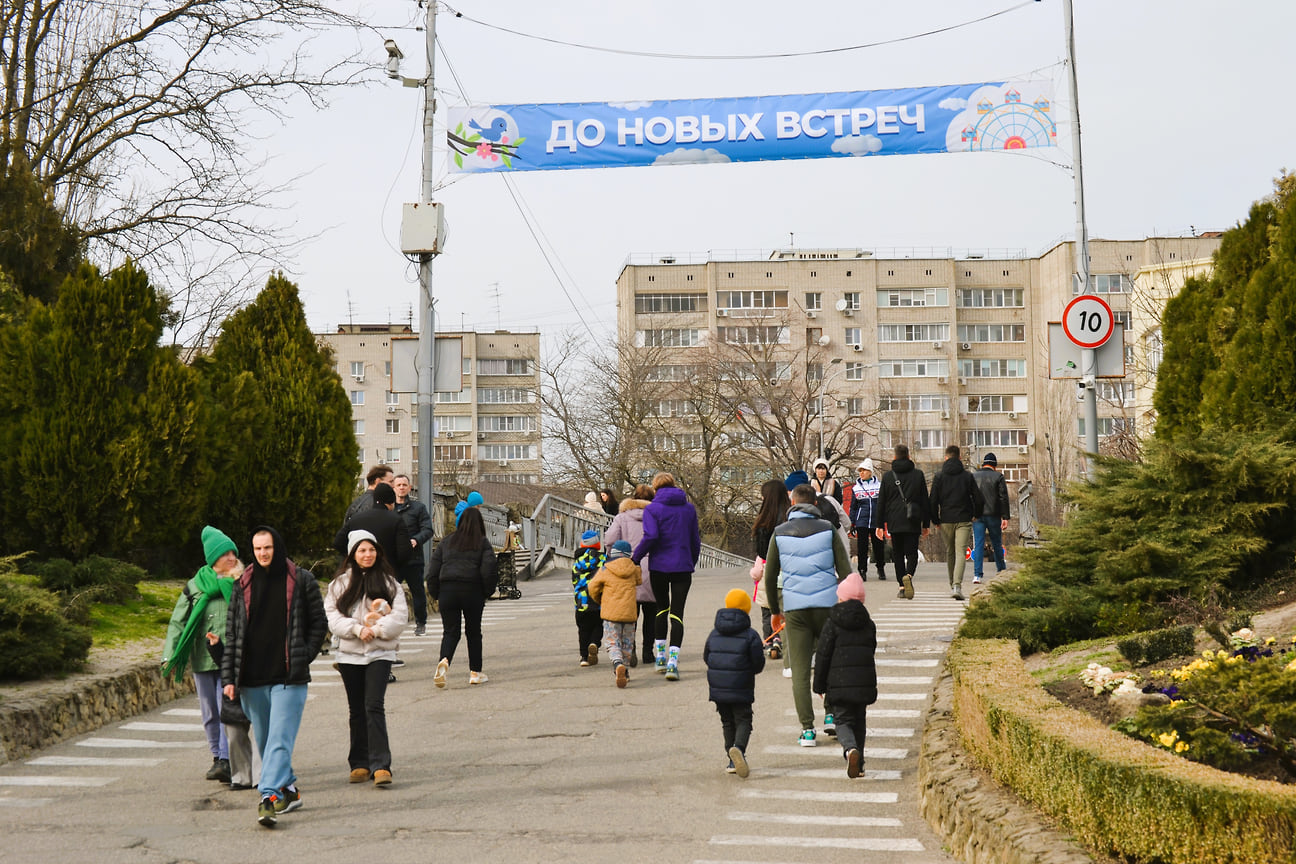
(465, 463)
(359, 379)
(1012, 415)
(841, 403)
(962, 380)
(945, 415)
(848, 312)
(938, 345)
(503, 463)
(811, 313)
(722, 313)
(481, 436)
(942, 380)
(917, 445)
(773, 382)
(392, 409)
(450, 434)
(1021, 448)
(967, 346)
(857, 347)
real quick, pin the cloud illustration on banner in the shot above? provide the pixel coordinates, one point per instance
(952, 104)
(857, 145)
(685, 156)
(629, 106)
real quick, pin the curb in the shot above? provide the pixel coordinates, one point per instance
(980, 821)
(82, 705)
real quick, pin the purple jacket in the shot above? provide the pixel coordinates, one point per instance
(671, 534)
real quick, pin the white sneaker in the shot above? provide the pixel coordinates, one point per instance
(787, 673)
(439, 676)
(477, 678)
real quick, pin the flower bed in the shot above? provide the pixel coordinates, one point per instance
(1117, 795)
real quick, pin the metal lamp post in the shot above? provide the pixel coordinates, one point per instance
(823, 387)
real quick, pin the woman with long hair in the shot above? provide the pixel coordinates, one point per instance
(628, 526)
(773, 512)
(673, 539)
(608, 501)
(366, 610)
(461, 575)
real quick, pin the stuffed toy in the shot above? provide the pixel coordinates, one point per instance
(377, 609)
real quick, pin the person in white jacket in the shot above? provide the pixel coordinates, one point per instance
(366, 610)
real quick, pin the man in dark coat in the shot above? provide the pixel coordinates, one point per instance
(418, 525)
(903, 512)
(273, 630)
(384, 523)
(363, 501)
(845, 669)
(955, 502)
(994, 516)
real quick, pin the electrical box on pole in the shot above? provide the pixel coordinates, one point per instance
(423, 229)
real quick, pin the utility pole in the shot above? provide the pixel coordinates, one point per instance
(1088, 357)
(427, 311)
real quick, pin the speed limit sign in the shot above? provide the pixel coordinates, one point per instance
(1088, 321)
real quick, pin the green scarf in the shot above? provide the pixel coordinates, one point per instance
(209, 584)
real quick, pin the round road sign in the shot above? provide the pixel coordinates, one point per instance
(1088, 321)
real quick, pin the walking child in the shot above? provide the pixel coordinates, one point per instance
(613, 588)
(845, 669)
(733, 655)
(589, 623)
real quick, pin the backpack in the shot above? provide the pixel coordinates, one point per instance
(828, 507)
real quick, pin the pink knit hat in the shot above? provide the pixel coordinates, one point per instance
(851, 588)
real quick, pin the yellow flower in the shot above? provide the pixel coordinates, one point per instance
(1181, 746)
(1291, 667)
(1168, 739)
(1222, 654)
(1208, 654)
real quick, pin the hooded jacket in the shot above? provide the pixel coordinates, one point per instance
(994, 492)
(346, 624)
(891, 507)
(304, 630)
(733, 655)
(671, 534)
(462, 566)
(954, 494)
(864, 501)
(804, 562)
(387, 526)
(613, 588)
(844, 666)
(628, 526)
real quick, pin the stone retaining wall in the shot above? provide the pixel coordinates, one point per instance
(83, 704)
(980, 821)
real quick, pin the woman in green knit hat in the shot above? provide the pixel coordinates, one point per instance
(200, 610)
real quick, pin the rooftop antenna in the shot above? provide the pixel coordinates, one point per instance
(350, 311)
(495, 296)
(791, 238)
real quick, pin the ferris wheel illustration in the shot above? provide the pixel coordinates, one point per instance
(1011, 125)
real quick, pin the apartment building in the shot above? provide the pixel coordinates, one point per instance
(487, 431)
(923, 347)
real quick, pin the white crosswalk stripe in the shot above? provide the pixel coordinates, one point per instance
(817, 819)
(95, 761)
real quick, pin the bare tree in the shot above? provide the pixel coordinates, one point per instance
(137, 116)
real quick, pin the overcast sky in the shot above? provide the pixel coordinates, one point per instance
(1181, 131)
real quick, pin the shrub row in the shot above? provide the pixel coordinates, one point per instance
(1117, 796)
(1157, 645)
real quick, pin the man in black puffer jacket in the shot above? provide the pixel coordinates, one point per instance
(845, 669)
(903, 512)
(734, 655)
(955, 502)
(273, 630)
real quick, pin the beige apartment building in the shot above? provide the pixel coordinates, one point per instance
(487, 431)
(922, 347)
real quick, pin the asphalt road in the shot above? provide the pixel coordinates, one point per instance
(546, 762)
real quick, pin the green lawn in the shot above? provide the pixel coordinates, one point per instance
(145, 618)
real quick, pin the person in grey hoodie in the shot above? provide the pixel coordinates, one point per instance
(955, 502)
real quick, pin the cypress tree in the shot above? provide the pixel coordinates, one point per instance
(100, 427)
(288, 456)
(37, 247)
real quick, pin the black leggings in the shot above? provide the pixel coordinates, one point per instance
(469, 600)
(671, 591)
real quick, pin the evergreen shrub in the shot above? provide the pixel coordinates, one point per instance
(35, 639)
(95, 579)
(1157, 645)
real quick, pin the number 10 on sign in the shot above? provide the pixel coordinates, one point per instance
(1088, 321)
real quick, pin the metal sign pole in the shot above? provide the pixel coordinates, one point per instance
(427, 314)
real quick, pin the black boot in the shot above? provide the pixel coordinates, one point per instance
(220, 770)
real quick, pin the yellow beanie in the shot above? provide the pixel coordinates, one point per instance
(738, 599)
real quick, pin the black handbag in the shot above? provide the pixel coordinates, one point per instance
(912, 510)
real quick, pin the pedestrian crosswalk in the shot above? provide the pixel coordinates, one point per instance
(791, 803)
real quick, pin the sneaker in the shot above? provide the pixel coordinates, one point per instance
(634, 659)
(382, 777)
(852, 763)
(787, 673)
(220, 770)
(391, 677)
(830, 725)
(623, 675)
(730, 769)
(807, 738)
(659, 655)
(660, 663)
(477, 678)
(359, 775)
(584, 662)
(240, 787)
(976, 580)
(266, 812)
(776, 652)
(288, 800)
(957, 593)
(591, 653)
(439, 676)
(672, 670)
(420, 629)
(907, 590)
(881, 576)
(739, 761)
(397, 663)
(900, 592)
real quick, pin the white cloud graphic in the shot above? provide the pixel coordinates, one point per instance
(952, 104)
(629, 106)
(685, 156)
(857, 145)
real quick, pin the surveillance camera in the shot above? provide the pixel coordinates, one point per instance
(1081, 391)
(393, 50)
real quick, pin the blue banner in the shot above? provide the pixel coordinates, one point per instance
(949, 119)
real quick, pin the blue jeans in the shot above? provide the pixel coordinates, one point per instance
(275, 712)
(208, 686)
(979, 529)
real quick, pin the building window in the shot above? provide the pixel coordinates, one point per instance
(453, 424)
(1015, 472)
(992, 368)
(357, 370)
(1155, 350)
(855, 371)
(854, 336)
(464, 395)
(681, 441)
(504, 395)
(983, 438)
(504, 452)
(393, 455)
(506, 423)
(357, 427)
(1108, 426)
(1107, 283)
(740, 300)
(391, 399)
(991, 298)
(503, 367)
(913, 368)
(914, 402)
(670, 373)
(929, 439)
(913, 297)
(813, 335)
(753, 335)
(669, 338)
(393, 427)
(855, 406)
(1122, 318)
(1116, 392)
(989, 404)
(360, 455)
(992, 333)
(357, 397)
(913, 332)
(852, 299)
(654, 304)
(672, 408)
(813, 301)
(814, 372)
(452, 453)
(387, 368)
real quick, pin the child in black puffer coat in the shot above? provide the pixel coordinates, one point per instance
(733, 655)
(844, 668)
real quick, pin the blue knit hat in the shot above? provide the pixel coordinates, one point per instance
(795, 479)
(620, 549)
(590, 539)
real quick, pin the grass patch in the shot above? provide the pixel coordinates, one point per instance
(114, 624)
(1067, 661)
